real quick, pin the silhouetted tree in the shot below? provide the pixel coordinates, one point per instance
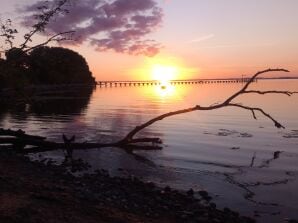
(14, 68)
(36, 63)
(56, 65)
(12, 75)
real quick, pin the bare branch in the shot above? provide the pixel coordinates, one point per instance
(254, 114)
(251, 80)
(46, 13)
(43, 19)
(57, 38)
(289, 93)
(129, 137)
(8, 32)
(253, 110)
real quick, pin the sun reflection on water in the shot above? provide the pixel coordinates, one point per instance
(165, 90)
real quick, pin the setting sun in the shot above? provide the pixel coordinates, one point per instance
(164, 68)
(164, 73)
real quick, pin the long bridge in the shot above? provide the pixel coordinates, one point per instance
(172, 82)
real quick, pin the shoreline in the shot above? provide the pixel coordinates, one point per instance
(46, 193)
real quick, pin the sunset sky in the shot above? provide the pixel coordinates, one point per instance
(197, 38)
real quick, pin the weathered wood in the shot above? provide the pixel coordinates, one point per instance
(19, 140)
(19, 133)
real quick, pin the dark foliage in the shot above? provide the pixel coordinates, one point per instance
(56, 65)
(13, 73)
(32, 63)
(44, 65)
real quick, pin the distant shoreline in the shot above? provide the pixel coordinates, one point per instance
(198, 79)
(278, 78)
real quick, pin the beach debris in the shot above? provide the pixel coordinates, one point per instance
(235, 148)
(291, 134)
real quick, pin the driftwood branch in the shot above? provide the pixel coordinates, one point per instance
(227, 103)
(253, 110)
(250, 81)
(20, 134)
(18, 140)
(288, 93)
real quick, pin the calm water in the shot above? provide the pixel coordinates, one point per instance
(226, 151)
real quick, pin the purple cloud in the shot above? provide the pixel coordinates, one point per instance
(119, 25)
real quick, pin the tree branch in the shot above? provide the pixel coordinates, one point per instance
(289, 93)
(45, 14)
(8, 32)
(253, 110)
(43, 20)
(251, 80)
(130, 135)
(51, 39)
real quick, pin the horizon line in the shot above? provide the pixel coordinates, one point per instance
(198, 79)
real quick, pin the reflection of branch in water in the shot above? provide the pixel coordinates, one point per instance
(266, 163)
(223, 165)
(285, 181)
(292, 134)
(249, 194)
(253, 160)
(140, 158)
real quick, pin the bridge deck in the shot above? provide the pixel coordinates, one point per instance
(173, 82)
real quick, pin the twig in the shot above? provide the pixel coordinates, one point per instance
(253, 110)
(43, 20)
(51, 39)
(288, 93)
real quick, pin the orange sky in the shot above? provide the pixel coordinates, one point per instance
(206, 39)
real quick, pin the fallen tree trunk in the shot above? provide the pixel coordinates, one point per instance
(18, 140)
(20, 134)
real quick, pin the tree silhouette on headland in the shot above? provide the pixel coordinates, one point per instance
(44, 66)
(24, 63)
(56, 65)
